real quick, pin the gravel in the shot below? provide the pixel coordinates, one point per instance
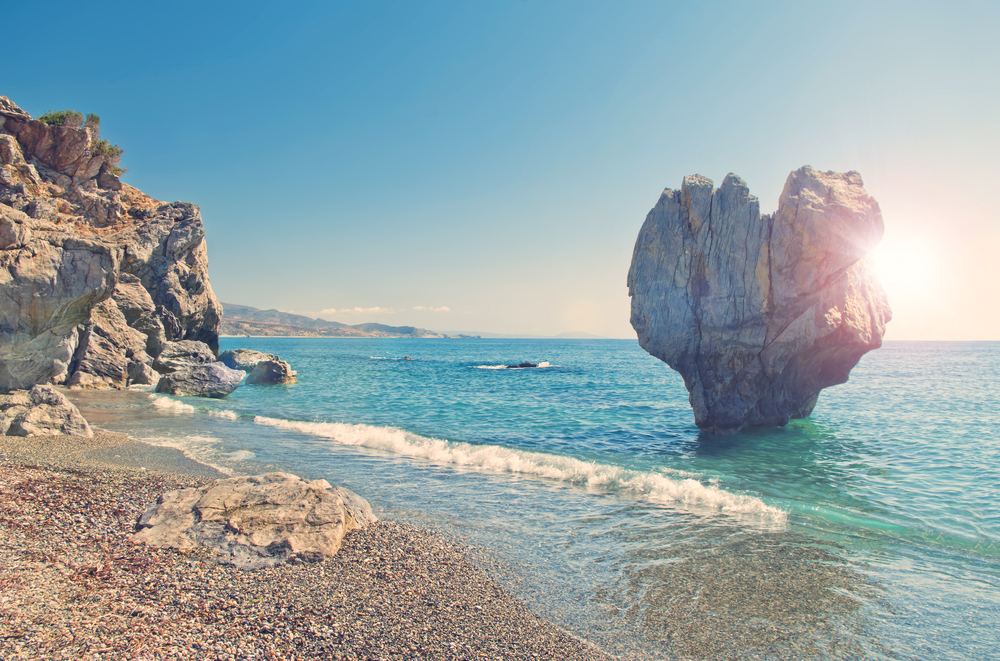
(72, 584)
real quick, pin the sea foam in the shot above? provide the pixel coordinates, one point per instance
(676, 491)
(171, 405)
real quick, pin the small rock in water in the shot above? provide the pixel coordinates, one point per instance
(212, 380)
(521, 366)
(271, 372)
(180, 355)
(244, 359)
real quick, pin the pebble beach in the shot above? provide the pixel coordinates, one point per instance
(73, 585)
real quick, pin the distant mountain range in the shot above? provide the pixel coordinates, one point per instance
(243, 320)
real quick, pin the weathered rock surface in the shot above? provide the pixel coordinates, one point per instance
(80, 252)
(257, 520)
(244, 359)
(759, 313)
(44, 411)
(183, 354)
(211, 380)
(270, 373)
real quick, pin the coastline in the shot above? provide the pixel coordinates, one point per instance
(74, 585)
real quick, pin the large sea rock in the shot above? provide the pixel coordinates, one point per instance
(95, 275)
(256, 520)
(759, 313)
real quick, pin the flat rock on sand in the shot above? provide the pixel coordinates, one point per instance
(72, 585)
(256, 520)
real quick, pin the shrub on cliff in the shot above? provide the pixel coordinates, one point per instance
(101, 147)
(65, 118)
(98, 145)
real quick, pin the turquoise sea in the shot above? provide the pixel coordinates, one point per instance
(869, 530)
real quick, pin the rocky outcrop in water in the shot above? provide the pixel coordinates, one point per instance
(257, 520)
(42, 411)
(183, 354)
(95, 276)
(759, 313)
(270, 373)
(244, 359)
(210, 380)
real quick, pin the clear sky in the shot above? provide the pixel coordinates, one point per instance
(486, 166)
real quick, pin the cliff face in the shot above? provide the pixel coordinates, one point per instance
(759, 314)
(95, 276)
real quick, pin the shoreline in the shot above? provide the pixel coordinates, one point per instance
(73, 584)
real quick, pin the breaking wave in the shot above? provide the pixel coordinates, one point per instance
(675, 490)
(171, 405)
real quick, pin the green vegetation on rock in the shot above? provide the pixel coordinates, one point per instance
(65, 118)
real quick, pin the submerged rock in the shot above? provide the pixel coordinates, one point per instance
(257, 520)
(759, 313)
(521, 366)
(271, 372)
(244, 359)
(44, 411)
(212, 380)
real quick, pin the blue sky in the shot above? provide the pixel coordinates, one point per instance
(497, 159)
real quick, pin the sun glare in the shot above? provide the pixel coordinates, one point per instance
(906, 269)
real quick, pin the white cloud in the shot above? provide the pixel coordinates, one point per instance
(375, 310)
(443, 308)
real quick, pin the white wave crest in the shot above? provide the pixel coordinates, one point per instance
(226, 414)
(171, 405)
(685, 492)
(503, 367)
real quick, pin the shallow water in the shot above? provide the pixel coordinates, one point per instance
(871, 529)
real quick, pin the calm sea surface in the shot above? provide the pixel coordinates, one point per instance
(869, 530)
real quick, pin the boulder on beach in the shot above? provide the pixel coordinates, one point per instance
(271, 372)
(759, 313)
(257, 520)
(183, 354)
(244, 359)
(42, 411)
(211, 380)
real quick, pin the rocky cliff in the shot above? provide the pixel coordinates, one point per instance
(95, 275)
(759, 313)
